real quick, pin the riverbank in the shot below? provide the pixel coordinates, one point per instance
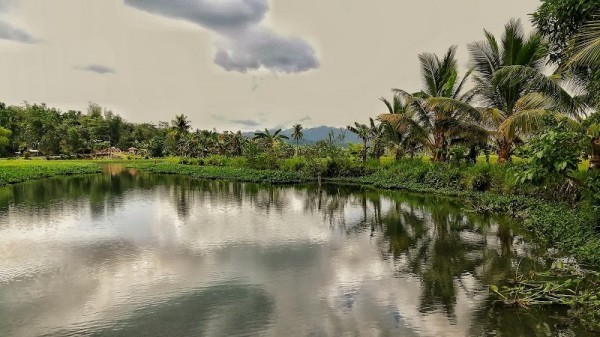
(570, 229)
(16, 171)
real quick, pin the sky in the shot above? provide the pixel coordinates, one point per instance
(233, 64)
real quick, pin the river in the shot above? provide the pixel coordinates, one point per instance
(125, 253)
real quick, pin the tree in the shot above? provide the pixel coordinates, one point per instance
(398, 128)
(180, 128)
(270, 139)
(364, 133)
(586, 48)
(297, 135)
(440, 111)
(377, 134)
(4, 139)
(511, 88)
(562, 22)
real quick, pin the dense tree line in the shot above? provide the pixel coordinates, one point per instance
(507, 100)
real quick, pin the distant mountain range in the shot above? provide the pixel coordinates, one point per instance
(313, 135)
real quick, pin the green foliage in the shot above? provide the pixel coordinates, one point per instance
(561, 20)
(553, 154)
(156, 146)
(15, 171)
(4, 139)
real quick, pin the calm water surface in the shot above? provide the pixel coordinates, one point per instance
(131, 254)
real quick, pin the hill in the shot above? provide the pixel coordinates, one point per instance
(313, 135)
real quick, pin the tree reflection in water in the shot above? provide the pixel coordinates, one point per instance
(425, 238)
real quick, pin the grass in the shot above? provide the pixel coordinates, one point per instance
(16, 171)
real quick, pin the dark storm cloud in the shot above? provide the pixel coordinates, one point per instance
(98, 69)
(244, 44)
(261, 47)
(213, 14)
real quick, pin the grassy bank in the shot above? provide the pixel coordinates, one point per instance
(570, 227)
(16, 171)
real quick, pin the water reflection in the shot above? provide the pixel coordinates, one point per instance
(125, 253)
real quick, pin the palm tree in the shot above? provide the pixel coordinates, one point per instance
(271, 139)
(398, 130)
(586, 45)
(297, 135)
(180, 128)
(426, 115)
(378, 133)
(181, 124)
(364, 133)
(513, 92)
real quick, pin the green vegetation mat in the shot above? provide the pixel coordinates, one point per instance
(16, 171)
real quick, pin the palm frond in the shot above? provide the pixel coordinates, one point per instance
(587, 45)
(523, 122)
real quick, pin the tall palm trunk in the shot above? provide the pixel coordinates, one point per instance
(595, 154)
(504, 154)
(399, 153)
(363, 152)
(439, 151)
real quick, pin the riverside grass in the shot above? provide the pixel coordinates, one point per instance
(16, 171)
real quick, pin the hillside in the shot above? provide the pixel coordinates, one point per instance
(313, 135)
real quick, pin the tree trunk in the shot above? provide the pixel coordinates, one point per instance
(504, 154)
(439, 151)
(595, 154)
(399, 153)
(363, 153)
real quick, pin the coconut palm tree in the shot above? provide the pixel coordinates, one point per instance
(297, 135)
(427, 116)
(378, 133)
(398, 129)
(270, 139)
(586, 45)
(364, 133)
(181, 125)
(180, 128)
(511, 88)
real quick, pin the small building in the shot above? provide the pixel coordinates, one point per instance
(132, 150)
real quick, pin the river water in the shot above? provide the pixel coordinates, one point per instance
(126, 253)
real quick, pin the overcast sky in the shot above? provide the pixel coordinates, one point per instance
(232, 64)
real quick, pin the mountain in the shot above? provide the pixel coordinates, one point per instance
(313, 135)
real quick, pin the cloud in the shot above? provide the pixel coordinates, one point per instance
(246, 122)
(12, 33)
(259, 47)
(305, 119)
(98, 69)
(243, 43)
